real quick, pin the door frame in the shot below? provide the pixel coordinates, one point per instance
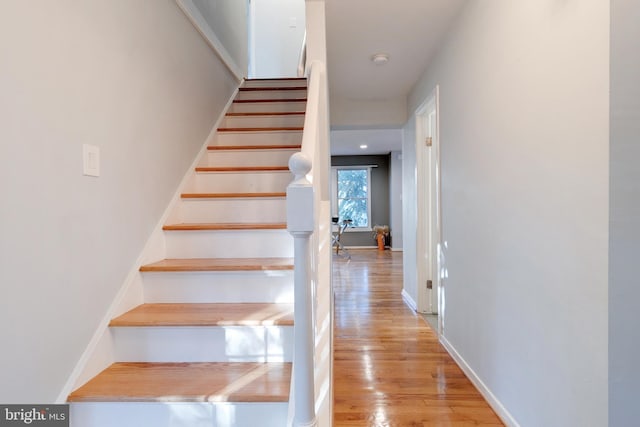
(429, 209)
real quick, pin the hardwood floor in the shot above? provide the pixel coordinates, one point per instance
(389, 368)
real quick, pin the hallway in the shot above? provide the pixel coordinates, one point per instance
(389, 369)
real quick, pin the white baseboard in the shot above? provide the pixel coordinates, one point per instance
(409, 301)
(396, 249)
(493, 401)
(99, 353)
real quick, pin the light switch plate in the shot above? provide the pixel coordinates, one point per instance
(90, 160)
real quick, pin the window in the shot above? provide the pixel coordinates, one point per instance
(352, 199)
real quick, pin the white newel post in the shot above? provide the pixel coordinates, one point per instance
(300, 223)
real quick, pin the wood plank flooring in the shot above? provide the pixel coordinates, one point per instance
(389, 368)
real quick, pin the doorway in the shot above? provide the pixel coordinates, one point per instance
(429, 226)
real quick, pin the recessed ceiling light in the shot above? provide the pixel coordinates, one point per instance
(363, 146)
(380, 58)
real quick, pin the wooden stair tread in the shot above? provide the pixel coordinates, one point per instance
(231, 195)
(224, 226)
(242, 168)
(271, 79)
(206, 314)
(268, 113)
(264, 129)
(249, 101)
(219, 264)
(272, 88)
(254, 147)
(188, 382)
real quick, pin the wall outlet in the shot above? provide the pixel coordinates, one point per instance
(90, 160)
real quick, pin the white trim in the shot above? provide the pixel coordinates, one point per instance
(396, 250)
(350, 167)
(361, 247)
(198, 21)
(98, 354)
(302, 59)
(493, 401)
(421, 247)
(409, 301)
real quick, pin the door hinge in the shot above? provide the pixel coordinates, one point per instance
(428, 141)
(429, 284)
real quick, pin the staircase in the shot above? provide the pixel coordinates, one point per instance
(212, 344)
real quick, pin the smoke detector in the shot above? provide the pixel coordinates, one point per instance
(380, 58)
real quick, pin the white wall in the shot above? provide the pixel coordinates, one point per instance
(350, 113)
(525, 166)
(624, 228)
(276, 42)
(140, 83)
(228, 19)
(395, 199)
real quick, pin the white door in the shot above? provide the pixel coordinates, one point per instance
(431, 211)
(428, 189)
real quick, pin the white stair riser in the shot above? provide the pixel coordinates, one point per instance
(249, 157)
(234, 210)
(272, 94)
(178, 414)
(262, 121)
(276, 83)
(259, 138)
(240, 182)
(204, 344)
(266, 107)
(272, 286)
(229, 244)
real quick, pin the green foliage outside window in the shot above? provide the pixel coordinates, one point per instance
(353, 197)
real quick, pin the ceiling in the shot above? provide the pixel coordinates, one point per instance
(409, 31)
(378, 141)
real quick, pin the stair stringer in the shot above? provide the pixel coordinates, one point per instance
(100, 352)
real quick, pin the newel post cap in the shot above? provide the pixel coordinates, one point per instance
(300, 196)
(300, 166)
